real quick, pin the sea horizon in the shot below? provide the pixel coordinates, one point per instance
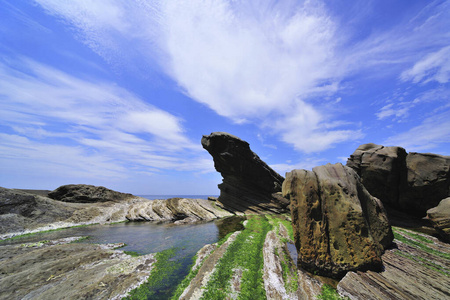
(157, 197)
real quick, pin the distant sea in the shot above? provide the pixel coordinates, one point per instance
(154, 197)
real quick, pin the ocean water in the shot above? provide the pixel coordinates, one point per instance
(155, 197)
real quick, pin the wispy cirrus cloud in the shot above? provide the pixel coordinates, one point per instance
(433, 67)
(88, 126)
(264, 60)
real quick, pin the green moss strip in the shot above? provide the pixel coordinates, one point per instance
(330, 293)
(244, 253)
(415, 236)
(424, 262)
(44, 231)
(187, 280)
(419, 245)
(162, 276)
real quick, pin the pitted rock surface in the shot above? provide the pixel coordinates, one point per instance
(338, 225)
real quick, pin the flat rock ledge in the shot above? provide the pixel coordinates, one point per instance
(409, 273)
(63, 270)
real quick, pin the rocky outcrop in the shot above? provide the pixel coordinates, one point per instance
(338, 225)
(412, 270)
(249, 184)
(412, 182)
(83, 193)
(21, 212)
(382, 170)
(440, 218)
(64, 270)
(178, 210)
(428, 181)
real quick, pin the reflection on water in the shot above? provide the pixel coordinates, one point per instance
(147, 237)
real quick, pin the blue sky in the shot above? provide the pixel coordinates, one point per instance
(119, 93)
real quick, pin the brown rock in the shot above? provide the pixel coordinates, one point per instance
(83, 193)
(338, 225)
(248, 182)
(440, 218)
(428, 181)
(381, 170)
(412, 182)
(409, 272)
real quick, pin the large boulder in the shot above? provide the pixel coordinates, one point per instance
(338, 225)
(83, 193)
(412, 182)
(382, 169)
(440, 218)
(249, 184)
(428, 181)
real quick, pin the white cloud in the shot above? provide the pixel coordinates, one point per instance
(252, 61)
(433, 132)
(307, 164)
(92, 127)
(433, 67)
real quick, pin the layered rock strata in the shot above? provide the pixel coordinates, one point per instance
(411, 271)
(249, 184)
(63, 270)
(413, 182)
(338, 225)
(22, 212)
(178, 210)
(440, 218)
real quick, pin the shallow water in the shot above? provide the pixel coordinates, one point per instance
(148, 237)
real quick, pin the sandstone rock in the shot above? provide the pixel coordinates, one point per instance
(428, 181)
(248, 182)
(409, 272)
(440, 218)
(338, 225)
(179, 210)
(382, 169)
(412, 182)
(83, 193)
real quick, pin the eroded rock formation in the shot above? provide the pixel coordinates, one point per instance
(413, 182)
(83, 193)
(249, 184)
(440, 218)
(178, 210)
(338, 225)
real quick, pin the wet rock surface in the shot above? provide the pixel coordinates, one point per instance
(412, 182)
(440, 219)
(83, 193)
(410, 272)
(64, 270)
(249, 184)
(338, 225)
